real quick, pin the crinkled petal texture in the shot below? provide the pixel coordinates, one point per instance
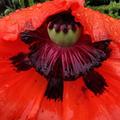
(29, 18)
(22, 93)
(99, 26)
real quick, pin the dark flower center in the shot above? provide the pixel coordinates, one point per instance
(63, 57)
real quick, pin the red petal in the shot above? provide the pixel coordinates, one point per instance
(80, 104)
(11, 48)
(28, 18)
(75, 105)
(21, 97)
(110, 100)
(20, 93)
(80, 2)
(98, 25)
(115, 50)
(50, 110)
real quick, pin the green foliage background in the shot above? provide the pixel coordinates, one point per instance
(7, 6)
(110, 7)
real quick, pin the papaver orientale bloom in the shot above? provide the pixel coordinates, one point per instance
(59, 61)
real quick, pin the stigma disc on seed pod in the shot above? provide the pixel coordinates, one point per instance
(64, 35)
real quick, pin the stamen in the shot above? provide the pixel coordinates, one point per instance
(104, 47)
(29, 37)
(74, 26)
(21, 62)
(55, 82)
(95, 82)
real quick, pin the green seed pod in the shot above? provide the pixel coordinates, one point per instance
(65, 39)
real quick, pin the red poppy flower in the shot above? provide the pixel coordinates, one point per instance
(59, 61)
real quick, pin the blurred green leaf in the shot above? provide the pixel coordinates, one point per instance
(113, 9)
(15, 3)
(31, 2)
(22, 3)
(8, 10)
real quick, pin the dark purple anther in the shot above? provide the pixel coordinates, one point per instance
(64, 28)
(74, 27)
(50, 25)
(57, 27)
